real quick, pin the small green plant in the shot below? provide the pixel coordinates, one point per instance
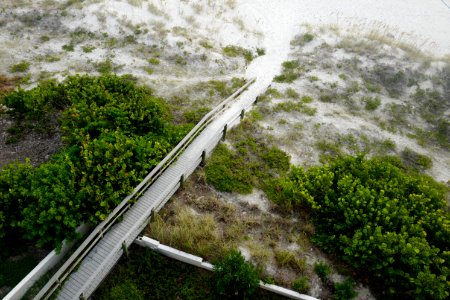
(343, 76)
(148, 70)
(301, 285)
(286, 258)
(234, 277)
(345, 290)
(307, 99)
(322, 270)
(260, 51)
(88, 48)
(205, 44)
(291, 93)
(104, 67)
(21, 67)
(372, 103)
(126, 290)
(45, 38)
(291, 71)
(308, 37)
(180, 60)
(235, 51)
(68, 47)
(154, 61)
(313, 78)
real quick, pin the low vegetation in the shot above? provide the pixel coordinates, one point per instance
(389, 224)
(163, 278)
(291, 71)
(114, 133)
(236, 51)
(252, 163)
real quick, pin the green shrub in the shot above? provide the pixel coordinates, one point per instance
(126, 290)
(289, 106)
(68, 48)
(291, 93)
(154, 61)
(307, 99)
(308, 37)
(88, 48)
(44, 38)
(235, 51)
(105, 67)
(234, 277)
(344, 290)
(115, 133)
(301, 285)
(148, 70)
(21, 67)
(322, 270)
(260, 51)
(379, 219)
(372, 103)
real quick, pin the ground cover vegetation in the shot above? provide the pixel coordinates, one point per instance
(160, 277)
(114, 132)
(388, 223)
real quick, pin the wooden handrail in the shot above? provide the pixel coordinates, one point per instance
(120, 209)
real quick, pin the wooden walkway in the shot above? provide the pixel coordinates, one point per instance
(82, 273)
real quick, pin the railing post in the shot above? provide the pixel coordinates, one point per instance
(125, 249)
(224, 132)
(202, 163)
(242, 114)
(181, 181)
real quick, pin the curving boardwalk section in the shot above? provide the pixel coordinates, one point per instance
(89, 270)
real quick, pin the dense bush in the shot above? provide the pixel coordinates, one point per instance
(234, 277)
(114, 131)
(391, 225)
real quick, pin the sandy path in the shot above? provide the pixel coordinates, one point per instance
(423, 23)
(426, 24)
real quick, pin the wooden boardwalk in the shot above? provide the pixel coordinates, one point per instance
(81, 279)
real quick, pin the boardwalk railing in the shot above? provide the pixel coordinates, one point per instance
(97, 234)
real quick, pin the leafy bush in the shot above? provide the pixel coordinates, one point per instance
(115, 133)
(234, 277)
(391, 225)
